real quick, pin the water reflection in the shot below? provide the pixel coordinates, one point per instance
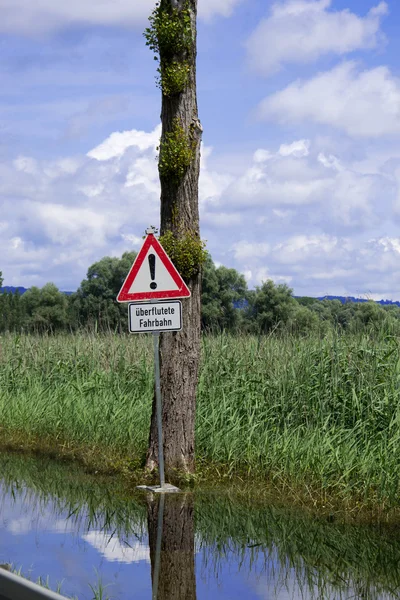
(57, 523)
(113, 550)
(170, 521)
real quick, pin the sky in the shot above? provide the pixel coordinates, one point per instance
(300, 170)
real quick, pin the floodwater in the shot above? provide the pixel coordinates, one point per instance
(58, 523)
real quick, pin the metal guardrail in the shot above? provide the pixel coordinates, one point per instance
(13, 587)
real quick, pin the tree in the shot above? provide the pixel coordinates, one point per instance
(172, 36)
(222, 288)
(95, 299)
(303, 321)
(306, 300)
(1, 279)
(367, 315)
(5, 311)
(271, 306)
(210, 305)
(46, 308)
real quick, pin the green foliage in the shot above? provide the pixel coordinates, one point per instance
(303, 321)
(367, 315)
(45, 308)
(173, 77)
(170, 31)
(95, 302)
(170, 37)
(305, 301)
(12, 312)
(176, 152)
(187, 252)
(221, 287)
(271, 306)
(1, 279)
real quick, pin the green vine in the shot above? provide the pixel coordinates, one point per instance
(176, 152)
(173, 77)
(187, 252)
(170, 36)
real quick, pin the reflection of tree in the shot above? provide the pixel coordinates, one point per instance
(176, 580)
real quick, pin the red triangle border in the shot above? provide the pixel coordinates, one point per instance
(182, 292)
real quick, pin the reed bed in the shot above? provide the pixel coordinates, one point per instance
(316, 412)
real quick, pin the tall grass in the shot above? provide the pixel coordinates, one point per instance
(304, 409)
(311, 411)
(85, 389)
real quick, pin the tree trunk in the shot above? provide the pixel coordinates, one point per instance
(180, 351)
(176, 579)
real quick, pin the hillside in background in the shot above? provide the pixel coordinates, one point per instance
(240, 304)
(21, 290)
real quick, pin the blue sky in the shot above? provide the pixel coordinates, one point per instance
(300, 105)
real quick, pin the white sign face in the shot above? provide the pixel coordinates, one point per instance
(155, 316)
(143, 280)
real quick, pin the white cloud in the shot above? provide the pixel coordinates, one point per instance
(330, 162)
(63, 224)
(48, 16)
(116, 144)
(326, 264)
(300, 31)
(294, 177)
(135, 240)
(302, 248)
(207, 9)
(298, 149)
(222, 220)
(20, 526)
(69, 217)
(389, 251)
(261, 155)
(321, 265)
(113, 550)
(262, 274)
(297, 214)
(361, 103)
(25, 164)
(246, 250)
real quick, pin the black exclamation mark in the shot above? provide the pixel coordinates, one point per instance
(152, 265)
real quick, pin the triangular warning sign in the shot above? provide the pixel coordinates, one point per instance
(152, 276)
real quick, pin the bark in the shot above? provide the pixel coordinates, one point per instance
(180, 351)
(177, 579)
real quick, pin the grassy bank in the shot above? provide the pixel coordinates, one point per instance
(309, 413)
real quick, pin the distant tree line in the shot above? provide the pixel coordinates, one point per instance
(227, 305)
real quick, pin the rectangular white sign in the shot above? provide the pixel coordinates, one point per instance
(155, 316)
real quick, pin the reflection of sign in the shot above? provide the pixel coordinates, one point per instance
(152, 276)
(155, 316)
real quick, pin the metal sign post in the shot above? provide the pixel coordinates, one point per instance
(163, 487)
(156, 340)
